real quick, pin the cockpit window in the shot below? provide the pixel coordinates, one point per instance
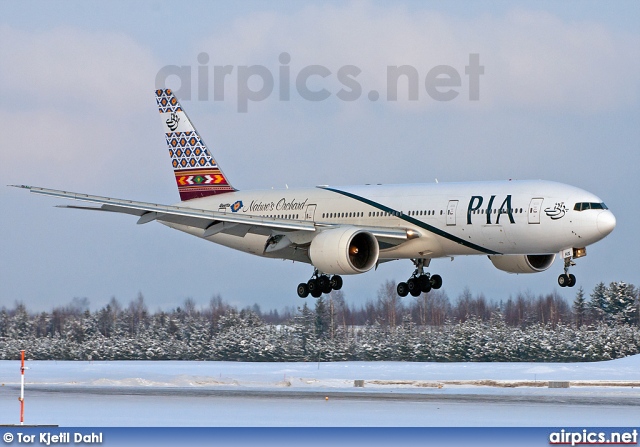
(582, 206)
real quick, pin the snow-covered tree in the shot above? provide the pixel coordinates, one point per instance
(579, 307)
(303, 327)
(597, 303)
(620, 302)
(73, 332)
(322, 320)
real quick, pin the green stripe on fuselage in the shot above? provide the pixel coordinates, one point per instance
(414, 221)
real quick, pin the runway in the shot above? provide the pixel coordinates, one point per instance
(138, 406)
(395, 394)
(591, 396)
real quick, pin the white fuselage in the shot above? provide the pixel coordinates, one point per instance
(503, 217)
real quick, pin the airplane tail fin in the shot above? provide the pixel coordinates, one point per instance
(197, 173)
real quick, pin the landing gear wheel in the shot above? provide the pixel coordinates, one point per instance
(402, 289)
(324, 283)
(425, 283)
(314, 287)
(318, 284)
(336, 282)
(567, 279)
(303, 290)
(563, 280)
(420, 281)
(414, 286)
(436, 281)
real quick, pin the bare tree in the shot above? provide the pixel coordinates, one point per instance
(389, 307)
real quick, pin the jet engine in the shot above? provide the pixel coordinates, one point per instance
(522, 263)
(344, 251)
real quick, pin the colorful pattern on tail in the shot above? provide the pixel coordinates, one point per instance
(196, 172)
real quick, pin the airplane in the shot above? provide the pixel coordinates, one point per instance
(520, 225)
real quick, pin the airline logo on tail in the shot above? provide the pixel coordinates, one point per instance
(173, 121)
(196, 172)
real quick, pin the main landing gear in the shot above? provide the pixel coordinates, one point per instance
(567, 279)
(419, 281)
(319, 284)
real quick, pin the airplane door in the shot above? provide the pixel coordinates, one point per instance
(451, 212)
(534, 211)
(310, 213)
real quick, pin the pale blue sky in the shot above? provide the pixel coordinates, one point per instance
(559, 100)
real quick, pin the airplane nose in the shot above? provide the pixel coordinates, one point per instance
(606, 222)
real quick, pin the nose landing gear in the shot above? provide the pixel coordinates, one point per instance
(319, 284)
(567, 279)
(419, 281)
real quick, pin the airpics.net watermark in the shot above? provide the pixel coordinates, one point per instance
(257, 83)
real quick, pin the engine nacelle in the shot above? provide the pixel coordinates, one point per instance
(522, 263)
(344, 251)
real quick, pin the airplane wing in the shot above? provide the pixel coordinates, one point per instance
(212, 222)
(148, 212)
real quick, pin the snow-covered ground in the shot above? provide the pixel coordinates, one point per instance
(174, 393)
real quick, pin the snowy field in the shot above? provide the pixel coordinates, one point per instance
(174, 393)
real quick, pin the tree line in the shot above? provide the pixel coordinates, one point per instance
(427, 328)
